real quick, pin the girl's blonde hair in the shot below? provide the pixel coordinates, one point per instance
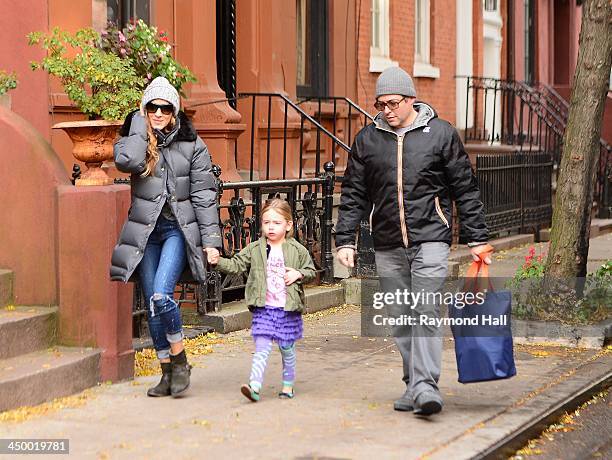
(152, 156)
(281, 207)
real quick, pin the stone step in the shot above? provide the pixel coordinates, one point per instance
(43, 375)
(235, 316)
(603, 226)
(598, 227)
(6, 287)
(26, 329)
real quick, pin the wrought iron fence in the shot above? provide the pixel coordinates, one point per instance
(311, 200)
(516, 190)
(603, 185)
(534, 118)
(511, 113)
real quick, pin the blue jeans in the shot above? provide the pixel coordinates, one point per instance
(160, 269)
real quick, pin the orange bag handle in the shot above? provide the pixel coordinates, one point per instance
(483, 251)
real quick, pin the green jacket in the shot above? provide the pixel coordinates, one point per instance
(254, 257)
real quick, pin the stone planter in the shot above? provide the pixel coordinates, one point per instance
(92, 142)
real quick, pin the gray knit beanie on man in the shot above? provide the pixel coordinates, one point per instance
(160, 88)
(395, 80)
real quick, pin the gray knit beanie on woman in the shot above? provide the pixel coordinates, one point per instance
(160, 88)
(395, 80)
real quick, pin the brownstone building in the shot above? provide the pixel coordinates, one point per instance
(302, 49)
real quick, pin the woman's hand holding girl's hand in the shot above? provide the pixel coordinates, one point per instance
(212, 255)
(292, 275)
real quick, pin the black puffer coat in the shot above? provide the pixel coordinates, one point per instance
(411, 180)
(182, 176)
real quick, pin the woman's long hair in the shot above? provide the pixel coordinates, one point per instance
(152, 156)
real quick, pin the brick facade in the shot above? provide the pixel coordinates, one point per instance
(439, 92)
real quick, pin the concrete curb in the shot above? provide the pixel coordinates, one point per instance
(507, 431)
(593, 336)
(521, 436)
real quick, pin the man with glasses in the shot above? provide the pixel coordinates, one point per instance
(410, 166)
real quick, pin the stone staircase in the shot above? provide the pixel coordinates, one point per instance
(33, 368)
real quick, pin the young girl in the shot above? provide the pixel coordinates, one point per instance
(173, 215)
(279, 266)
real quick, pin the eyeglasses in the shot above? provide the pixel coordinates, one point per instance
(392, 104)
(166, 109)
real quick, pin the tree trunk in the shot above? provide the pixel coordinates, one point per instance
(569, 246)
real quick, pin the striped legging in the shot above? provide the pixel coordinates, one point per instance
(263, 347)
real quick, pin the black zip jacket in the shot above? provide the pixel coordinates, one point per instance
(411, 180)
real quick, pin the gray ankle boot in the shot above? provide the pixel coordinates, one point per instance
(163, 387)
(181, 372)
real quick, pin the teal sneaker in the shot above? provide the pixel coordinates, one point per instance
(249, 393)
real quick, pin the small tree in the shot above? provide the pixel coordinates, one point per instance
(569, 246)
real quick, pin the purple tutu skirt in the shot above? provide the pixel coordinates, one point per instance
(277, 324)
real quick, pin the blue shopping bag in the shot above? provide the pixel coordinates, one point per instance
(483, 335)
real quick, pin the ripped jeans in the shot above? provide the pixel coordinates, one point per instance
(160, 269)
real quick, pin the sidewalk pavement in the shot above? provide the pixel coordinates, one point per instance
(343, 409)
(345, 390)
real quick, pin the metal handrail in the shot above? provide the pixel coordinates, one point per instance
(325, 141)
(338, 98)
(301, 112)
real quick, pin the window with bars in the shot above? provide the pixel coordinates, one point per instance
(490, 5)
(121, 11)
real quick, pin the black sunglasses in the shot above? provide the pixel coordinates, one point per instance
(166, 109)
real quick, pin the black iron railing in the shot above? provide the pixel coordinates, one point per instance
(532, 117)
(511, 113)
(603, 185)
(284, 140)
(311, 200)
(516, 191)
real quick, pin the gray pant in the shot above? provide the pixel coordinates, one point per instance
(422, 267)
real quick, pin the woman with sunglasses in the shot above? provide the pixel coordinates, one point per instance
(172, 217)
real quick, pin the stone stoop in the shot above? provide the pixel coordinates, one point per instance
(26, 329)
(33, 369)
(43, 375)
